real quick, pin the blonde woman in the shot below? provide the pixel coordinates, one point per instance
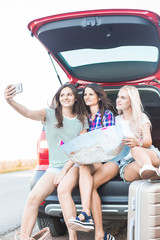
(144, 159)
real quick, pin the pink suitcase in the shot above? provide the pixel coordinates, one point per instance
(144, 210)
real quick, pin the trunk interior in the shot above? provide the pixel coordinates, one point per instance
(115, 192)
(150, 97)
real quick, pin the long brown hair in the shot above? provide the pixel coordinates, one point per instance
(104, 103)
(78, 108)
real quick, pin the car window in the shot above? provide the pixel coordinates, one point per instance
(104, 48)
(81, 57)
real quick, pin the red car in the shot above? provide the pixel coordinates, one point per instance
(112, 48)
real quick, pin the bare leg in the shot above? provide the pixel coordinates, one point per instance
(84, 221)
(145, 156)
(103, 174)
(97, 214)
(44, 187)
(65, 188)
(155, 162)
(85, 185)
(141, 156)
(131, 172)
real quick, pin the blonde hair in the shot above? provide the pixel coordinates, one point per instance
(137, 110)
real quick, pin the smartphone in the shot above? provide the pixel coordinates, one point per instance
(18, 88)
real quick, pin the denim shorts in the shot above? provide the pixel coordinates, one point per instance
(57, 170)
(116, 162)
(124, 162)
(123, 165)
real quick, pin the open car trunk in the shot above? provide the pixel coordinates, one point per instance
(113, 48)
(103, 46)
(114, 194)
(150, 97)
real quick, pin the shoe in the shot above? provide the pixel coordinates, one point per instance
(25, 237)
(108, 237)
(147, 171)
(42, 234)
(85, 225)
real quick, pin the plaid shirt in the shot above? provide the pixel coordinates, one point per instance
(108, 120)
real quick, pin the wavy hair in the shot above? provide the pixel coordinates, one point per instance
(78, 108)
(104, 103)
(137, 110)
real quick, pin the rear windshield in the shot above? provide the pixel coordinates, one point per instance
(104, 49)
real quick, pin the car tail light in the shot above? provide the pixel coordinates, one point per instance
(43, 144)
(42, 151)
(42, 203)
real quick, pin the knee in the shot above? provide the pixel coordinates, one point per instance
(135, 149)
(62, 191)
(95, 186)
(131, 175)
(126, 176)
(33, 199)
(84, 170)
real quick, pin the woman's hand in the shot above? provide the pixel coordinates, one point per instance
(9, 93)
(38, 115)
(64, 171)
(59, 177)
(131, 142)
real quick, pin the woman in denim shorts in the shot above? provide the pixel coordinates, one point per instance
(100, 111)
(144, 159)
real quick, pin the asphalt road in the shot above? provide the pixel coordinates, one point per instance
(14, 189)
(117, 228)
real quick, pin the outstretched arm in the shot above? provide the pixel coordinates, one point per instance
(38, 115)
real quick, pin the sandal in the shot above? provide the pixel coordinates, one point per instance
(43, 234)
(26, 237)
(147, 171)
(108, 237)
(85, 225)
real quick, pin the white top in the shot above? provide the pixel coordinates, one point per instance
(125, 125)
(127, 130)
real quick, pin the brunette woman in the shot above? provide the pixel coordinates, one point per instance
(100, 111)
(63, 122)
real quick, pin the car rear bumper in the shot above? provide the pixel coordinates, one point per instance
(108, 211)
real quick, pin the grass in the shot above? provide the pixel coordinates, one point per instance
(17, 165)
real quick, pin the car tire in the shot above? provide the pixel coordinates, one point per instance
(56, 225)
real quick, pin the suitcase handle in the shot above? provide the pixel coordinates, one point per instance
(131, 229)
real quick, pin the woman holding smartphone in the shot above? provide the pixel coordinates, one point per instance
(66, 119)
